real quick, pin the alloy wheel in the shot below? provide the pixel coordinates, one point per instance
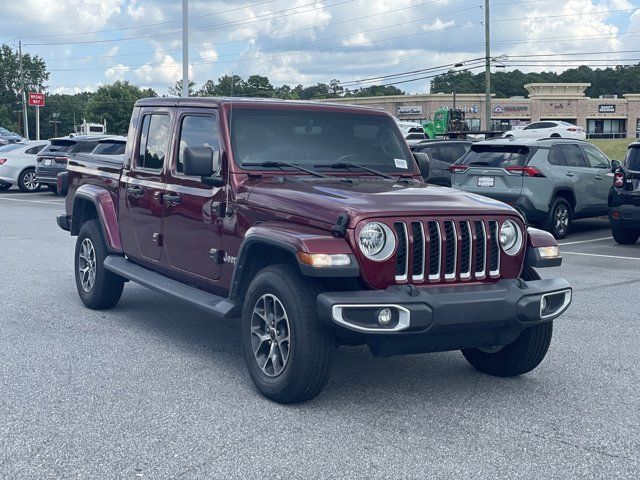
(87, 265)
(270, 335)
(561, 219)
(30, 181)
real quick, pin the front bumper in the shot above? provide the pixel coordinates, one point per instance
(444, 318)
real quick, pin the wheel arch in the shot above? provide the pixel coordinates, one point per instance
(90, 202)
(566, 193)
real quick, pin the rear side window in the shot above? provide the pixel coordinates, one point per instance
(556, 157)
(497, 156)
(451, 153)
(59, 146)
(34, 150)
(431, 151)
(197, 131)
(84, 147)
(632, 161)
(109, 148)
(154, 137)
(573, 155)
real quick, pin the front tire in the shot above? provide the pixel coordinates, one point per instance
(4, 186)
(98, 288)
(559, 219)
(519, 357)
(625, 236)
(288, 352)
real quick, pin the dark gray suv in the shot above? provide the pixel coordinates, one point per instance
(442, 154)
(550, 181)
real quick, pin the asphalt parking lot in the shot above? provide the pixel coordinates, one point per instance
(154, 389)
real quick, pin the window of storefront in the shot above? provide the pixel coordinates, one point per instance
(504, 124)
(607, 128)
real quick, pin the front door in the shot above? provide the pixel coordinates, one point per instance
(192, 232)
(602, 177)
(143, 185)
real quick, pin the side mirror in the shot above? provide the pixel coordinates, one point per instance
(199, 161)
(423, 164)
(615, 165)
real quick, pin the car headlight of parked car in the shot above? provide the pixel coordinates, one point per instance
(510, 237)
(376, 241)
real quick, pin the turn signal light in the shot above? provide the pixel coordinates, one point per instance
(618, 179)
(525, 171)
(458, 168)
(2, 161)
(324, 259)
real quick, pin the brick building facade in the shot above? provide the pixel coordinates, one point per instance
(600, 117)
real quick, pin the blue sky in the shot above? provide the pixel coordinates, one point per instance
(87, 43)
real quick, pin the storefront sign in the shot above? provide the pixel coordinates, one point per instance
(510, 108)
(465, 109)
(608, 108)
(410, 110)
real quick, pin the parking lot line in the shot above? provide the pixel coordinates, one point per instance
(586, 241)
(31, 201)
(600, 255)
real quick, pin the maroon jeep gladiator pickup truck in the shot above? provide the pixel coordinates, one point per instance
(312, 225)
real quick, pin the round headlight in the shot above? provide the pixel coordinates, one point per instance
(376, 241)
(510, 237)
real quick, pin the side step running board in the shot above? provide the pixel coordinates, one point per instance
(219, 306)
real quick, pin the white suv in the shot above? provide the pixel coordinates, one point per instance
(548, 129)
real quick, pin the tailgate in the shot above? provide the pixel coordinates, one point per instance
(485, 170)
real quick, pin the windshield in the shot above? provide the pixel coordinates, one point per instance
(496, 156)
(308, 138)
(4, 131)
(632, 161)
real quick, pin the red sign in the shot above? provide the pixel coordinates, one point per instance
(36, 99)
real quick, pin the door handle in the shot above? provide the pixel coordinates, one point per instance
(171, 200)
(599, 177)
(135, 191)
(570, 174)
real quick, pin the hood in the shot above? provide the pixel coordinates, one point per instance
(325, 199)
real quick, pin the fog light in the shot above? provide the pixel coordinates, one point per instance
(543, 305)
(384, 317)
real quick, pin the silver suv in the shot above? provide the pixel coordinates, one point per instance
(550, 181)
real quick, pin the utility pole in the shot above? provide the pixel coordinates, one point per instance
(24, 93)
(487, 67)
(185, 48)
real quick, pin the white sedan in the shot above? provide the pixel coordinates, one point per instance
(18, 165)
(548, 129)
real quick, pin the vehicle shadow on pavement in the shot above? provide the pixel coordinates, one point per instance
(441, 378)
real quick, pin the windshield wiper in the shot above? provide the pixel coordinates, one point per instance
(348, 166)
(284, 164)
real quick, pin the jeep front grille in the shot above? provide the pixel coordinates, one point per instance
(446, 250)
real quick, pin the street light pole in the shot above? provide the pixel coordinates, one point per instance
(487, 67)
(25, 118)
(185, 48)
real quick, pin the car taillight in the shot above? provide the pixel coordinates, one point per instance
(2, 161)
(572, 129)
(618, 179)
(525, 171)
(458, 168)
(61, 159)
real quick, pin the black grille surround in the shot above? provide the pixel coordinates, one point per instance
(447, 250)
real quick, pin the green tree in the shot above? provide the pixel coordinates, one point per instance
(230, 86)
(258, 86)
(113, 103)
(176, 90)
(35, 75)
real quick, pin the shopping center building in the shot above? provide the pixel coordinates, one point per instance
(606, 117)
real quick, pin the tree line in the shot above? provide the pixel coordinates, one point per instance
(606, 81)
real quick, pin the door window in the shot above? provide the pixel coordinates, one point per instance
(196, 131)
(451, 153)
(573, 155)
(595, 159)
(533, 126)
(556, 157)
(154, 137)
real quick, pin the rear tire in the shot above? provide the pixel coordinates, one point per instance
(625, 236)
(27, 181)
(519, 357)
(559, 219)
(288, 352)
(4, 186)
(98, 288)
(53, 189)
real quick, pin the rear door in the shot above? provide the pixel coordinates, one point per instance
(487, 171)
(602, 177)
(192, 232)
(143, 185)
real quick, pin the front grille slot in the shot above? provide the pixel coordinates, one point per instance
(446, 250)
(402, 253)
(494, 256)
(435, 251)
(418, 251)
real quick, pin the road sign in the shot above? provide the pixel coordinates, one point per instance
(36, 99)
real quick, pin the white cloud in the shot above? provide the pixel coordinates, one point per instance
(208, 53)
(356, 39)
(71, 90)
(163, 69)
(117, 72)
(438, 24)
